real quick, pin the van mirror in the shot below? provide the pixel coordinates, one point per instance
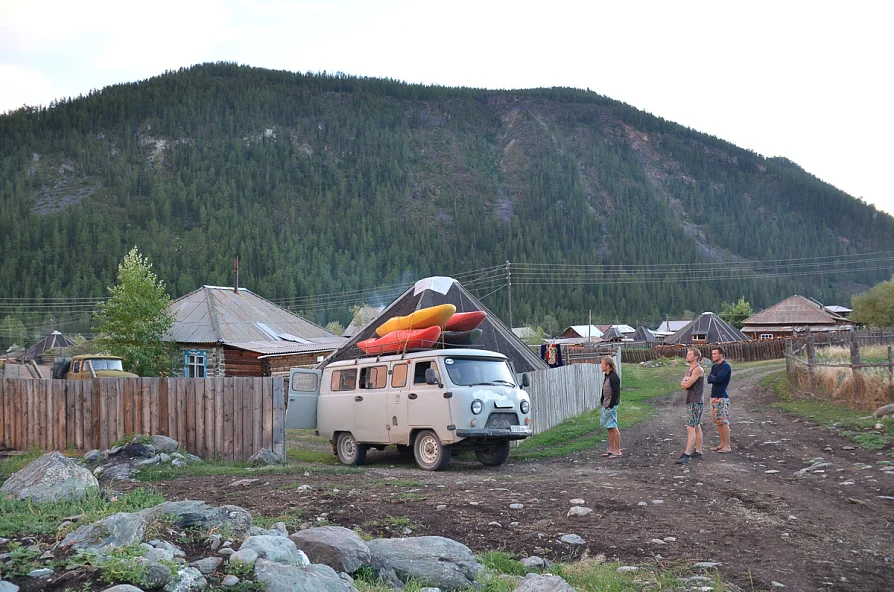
(526, 382)
(431, 377)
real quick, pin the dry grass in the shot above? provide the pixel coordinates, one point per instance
(839, 354)
(837, 385)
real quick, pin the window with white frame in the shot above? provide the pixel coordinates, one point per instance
(194, 363)
(766, 336)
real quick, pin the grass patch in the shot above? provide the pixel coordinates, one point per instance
(29, 518)
(17, 462)
(306, 455)
(853, 425)
(291, 517)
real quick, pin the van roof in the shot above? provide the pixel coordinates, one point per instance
(443, 353)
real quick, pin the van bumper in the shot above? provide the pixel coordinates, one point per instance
(493, 434)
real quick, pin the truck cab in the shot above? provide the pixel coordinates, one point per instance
(430, 404)
(89, 366)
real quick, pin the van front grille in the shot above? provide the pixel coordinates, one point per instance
(502, 420)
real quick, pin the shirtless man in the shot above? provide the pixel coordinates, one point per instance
(693, 383)
(719, 380)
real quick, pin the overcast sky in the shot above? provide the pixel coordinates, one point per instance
(806, 80)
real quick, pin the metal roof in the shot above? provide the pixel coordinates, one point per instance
(711, 327)
(217, 314)
(795, 310)
(586, 330)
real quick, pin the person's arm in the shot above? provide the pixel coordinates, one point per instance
(615, 383)
(688, 382)
(723, 372)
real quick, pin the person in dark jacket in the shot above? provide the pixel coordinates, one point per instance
(718, 378)
(611, 397)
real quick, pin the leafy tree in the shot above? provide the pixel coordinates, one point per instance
(133, 321)
(534, 335)
(335, 327)
(736, 313)
(12, 330)
(875, 308)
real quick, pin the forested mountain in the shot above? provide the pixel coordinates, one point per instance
(330, 185)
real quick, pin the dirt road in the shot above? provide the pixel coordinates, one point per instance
(754, 511)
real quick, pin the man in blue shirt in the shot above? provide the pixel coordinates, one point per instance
(719, 380)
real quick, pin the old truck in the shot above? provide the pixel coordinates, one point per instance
(87, 366)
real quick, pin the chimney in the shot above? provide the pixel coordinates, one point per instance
(236, 273)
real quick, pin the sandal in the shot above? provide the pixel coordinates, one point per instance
(614, 455)
(607, 453)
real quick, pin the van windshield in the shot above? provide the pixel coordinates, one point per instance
(470, 371)
(106, 364)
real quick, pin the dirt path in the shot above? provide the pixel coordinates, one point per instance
(828, 529)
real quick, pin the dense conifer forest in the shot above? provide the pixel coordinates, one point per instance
(328, 186)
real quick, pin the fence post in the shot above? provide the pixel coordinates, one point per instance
(855, 360)
(811, 359)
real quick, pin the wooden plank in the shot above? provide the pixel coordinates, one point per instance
(161, 419)
(279, 416)
(17, 413)
(118, 431)
(257, 411)
(267, 413)
(71, 438)
(46, 432)
(30, 417)
(127, 405)
(60, 400)
(100, 399)
(181, 413)
(191, 416)
(229, 424)
(243, 408)
(151, 390)
(208, 410)
(219, 449)
(4, 429)
(77, 388)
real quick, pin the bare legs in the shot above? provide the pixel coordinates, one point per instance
(694, 439)
(724, 446)
(614, 440)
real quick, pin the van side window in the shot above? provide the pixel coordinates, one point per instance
(76, 367)
(373, 377)
(419, 371)
(344, 380)
(399, 375)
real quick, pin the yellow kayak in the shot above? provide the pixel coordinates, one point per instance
(433, 316)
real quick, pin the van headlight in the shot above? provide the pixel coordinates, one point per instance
(477, 406)
(524, 406)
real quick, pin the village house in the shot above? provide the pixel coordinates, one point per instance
(581, 332)
(704, 329)
(795, 314)
(224, 331)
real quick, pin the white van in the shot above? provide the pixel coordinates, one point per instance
(430, 404)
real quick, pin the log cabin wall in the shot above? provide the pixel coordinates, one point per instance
(240, 362)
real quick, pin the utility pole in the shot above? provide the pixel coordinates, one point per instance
(509, 293)
(590, 325)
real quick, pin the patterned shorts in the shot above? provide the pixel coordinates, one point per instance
(609, 417)
(720, 411)
(694, 414)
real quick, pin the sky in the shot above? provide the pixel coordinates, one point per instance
(809, 81)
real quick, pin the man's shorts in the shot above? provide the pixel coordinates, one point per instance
(694, 414)
(720, 411)
(609, 418)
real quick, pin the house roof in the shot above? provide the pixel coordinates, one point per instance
(53, 340)
(643, 334)
(445, 290)
(215, 314)
(715, 330)
(671, 326)
(586, 331)
(794, 310)
(835, 309)
(523, 332)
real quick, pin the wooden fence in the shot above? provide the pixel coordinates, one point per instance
(213, 418)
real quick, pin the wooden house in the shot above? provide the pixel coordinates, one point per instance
(582, 332)
(222, 331)
(795, 314)
(704, 329)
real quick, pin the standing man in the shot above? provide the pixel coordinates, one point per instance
(693, 384)
(611, 397)
(719, 380)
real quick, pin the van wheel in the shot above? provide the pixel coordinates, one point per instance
(430, 454)
(495, 455)
(405, 451)
(349, 451)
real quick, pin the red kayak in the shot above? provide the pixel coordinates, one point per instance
(402, 340)
(465, 321)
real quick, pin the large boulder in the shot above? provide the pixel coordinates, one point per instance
(165, 444)
(275, 548)
(50, 478)
(115, 531)
(335, 546)
(884, 410)
(544, 583)
(292, 578)
(233, 520)
(430, 560)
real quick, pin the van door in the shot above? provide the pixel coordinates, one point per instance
(426, 405)
(370, 405)
(304, 391)
(399, 427)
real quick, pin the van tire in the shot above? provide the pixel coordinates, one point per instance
(430, 454)
(495, 455)
(348, 450)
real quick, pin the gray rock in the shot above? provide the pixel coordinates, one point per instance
(546, 583)
(193, 458)
(207, 565)
(577, 502)
(159, 554)
(275, 548)
(198, 514)
(120, 588)
(579, 511)
(535, 561)
(165, 458)
(280, 527)
(187, 580)
(120, 472)
(431, 560)
(265, 457)
(884, 410)
(572, 539)
(179, 462)
(226, 552)
(52, 477)
(156, 575)
(118, 530)
(339, 548)
(137, 450)
(230, 581)
(43, 572)
(627, 569)
(292, 578)
(93, 456)
(165, 444)
(10, 587)
(243, 557)
(706, 564)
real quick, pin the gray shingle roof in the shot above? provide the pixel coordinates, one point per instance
(794, 310)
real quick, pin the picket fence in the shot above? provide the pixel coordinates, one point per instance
(214, 418)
